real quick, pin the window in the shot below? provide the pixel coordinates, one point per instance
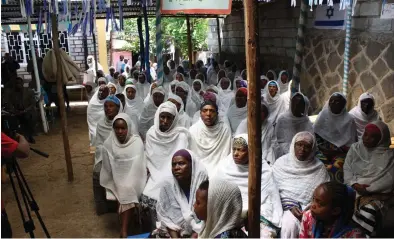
(19, 45)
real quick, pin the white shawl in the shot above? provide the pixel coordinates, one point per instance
(160, 147)
(149, 94)
(271, 207)
(196, 97)
(103, 131)
(110, 84)
(283, 87)
(288, 125)
(224, 208)
(191, 108)
(143, 89)
(147, 116)
(173, 208)
(338, 129)
(94, 113)
(360, 118)
(297, 179)
(276, 105)
(134, 107)
(274, 73)
(235, 115)
(267, 139)
(224, 97)
(374, 167)
(210, 144)
(184, 120)
(124, 167)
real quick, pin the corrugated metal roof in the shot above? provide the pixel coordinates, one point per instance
(10, 12)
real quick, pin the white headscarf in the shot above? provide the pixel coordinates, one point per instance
(196, 97)
(174, 209)
(274, 73)
(288, 125)
(235, 115)
(297, 179)
(276, 105)
(191, 108)
(264, 91)
(284, 87)
(150, 93)
(133, 108)
(147, 116)
(124, 168)
(92, 65)
(143, 89)
(360, 118)
(210, 144)
(183, 119)
(271, 207)
(238, 78)
(161, 146)
(224, 208)
(338, 129)
(374, 167)
(171, 84)
(110, 84)
(95, 112)
(225, 96)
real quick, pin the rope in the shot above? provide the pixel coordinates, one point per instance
(159, 45)
(347, 48)
(295, 86)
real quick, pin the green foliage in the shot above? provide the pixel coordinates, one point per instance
(174, 31)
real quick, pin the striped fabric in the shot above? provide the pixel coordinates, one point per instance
(369, 216)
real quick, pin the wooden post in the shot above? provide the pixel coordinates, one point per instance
(62, 108)
(254, 115)
(189, 43)
(219, 39)
(95, 54)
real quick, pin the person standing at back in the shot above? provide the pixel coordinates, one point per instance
(119, 63)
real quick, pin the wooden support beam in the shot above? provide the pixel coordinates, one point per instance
(219, 39)
(254, 115)
(62, 107)
(95, 55)
(189, 42)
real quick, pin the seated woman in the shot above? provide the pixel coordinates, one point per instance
(297, 174)
(147, 116)
(197, 92)
(238, 111)
(177, 197)
(267, 135)
(104, 127)
(235, 169)
(291, 122)
(112, 88)
(183, 119)
(123, 171)
(226, 94)
(133, 105)
(364, 113)
(277, 103)
(151, 88)
(369, 169)
(284, 82)
(95, 110)
(214, 198)
(183, 90)
(330, 214)
(335, 132)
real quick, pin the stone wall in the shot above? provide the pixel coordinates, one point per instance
(371, 52)
(76, 51)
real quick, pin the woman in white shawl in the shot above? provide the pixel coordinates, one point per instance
(211, 137)
(297, 174)
(197, 89)
(123, 169)
(184, 119)
(112, 88)
(271, 74)
(127, 72)
(172, 86)
(225, 95)
(133, 105)
(267, 135)
(284, 82)
(364, 113)
(235, 168)
(162, 141)
(92, 65)
(276, 102)
(95, 111)
(291, 122)
(219, 205)
(175, 214)
(369, 169)
(111, 108)
(151, 88)
(238, 111)
(147, 116)
(143, 86)
(182, 90)
(335, 132)
(91, 88)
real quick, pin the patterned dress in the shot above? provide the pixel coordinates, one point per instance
(233, 233)
(308, 225)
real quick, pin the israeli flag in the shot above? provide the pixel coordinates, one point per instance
(329, 17)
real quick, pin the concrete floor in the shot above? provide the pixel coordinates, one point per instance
(66, 208)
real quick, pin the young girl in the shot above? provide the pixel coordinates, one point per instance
(330, 213)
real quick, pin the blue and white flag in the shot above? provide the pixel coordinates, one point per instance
(329, 17)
